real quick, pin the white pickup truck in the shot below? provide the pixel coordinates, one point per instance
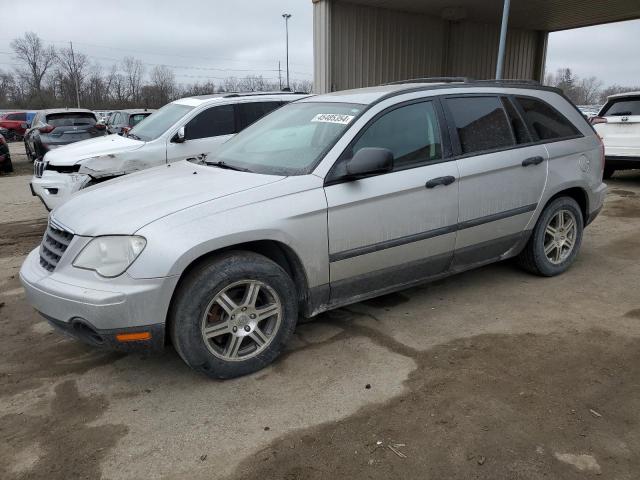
(187, 128)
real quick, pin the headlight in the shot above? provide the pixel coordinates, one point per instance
(110, 256)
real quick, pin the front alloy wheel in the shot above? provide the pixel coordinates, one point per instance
(233, 314)
(241, 320)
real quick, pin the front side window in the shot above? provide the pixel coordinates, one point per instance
(159, 122)
(410, 132)
(544, 121)
(290, 140)
(212, 122)
(481, 123)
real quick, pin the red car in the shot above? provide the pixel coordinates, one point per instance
(15, 123)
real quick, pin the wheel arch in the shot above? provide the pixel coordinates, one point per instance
(274, 250)
(578, 193)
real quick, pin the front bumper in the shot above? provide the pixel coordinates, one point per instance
(97, 311)
(55, 188)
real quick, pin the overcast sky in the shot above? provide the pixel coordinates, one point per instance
(209, 40)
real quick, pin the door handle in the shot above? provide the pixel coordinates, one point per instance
(532, 161)
(434, 182)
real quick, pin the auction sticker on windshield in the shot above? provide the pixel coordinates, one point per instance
(333, 118)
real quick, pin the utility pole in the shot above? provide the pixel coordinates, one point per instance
(75, 74)
(279, 75)
(503, 40)
(286, 17)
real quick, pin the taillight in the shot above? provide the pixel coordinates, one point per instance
(46, 129)
(597, 120)
(100, 126)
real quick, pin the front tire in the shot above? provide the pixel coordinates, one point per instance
(555, 240)
(233, 315)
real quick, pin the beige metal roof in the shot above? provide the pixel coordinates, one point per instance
(549, 15)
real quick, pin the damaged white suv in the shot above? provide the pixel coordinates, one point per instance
(186, 128)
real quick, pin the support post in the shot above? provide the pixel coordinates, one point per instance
(503, 40)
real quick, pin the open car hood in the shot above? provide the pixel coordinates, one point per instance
(106, 145)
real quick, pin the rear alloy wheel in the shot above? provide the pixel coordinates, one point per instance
(555, 240)
(233, 315)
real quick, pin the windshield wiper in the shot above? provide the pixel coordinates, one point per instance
(621, 114)
(221, 164)
(134, 136)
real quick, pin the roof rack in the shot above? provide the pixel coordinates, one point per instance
(257, 94)
(431, 80)
(508, 81)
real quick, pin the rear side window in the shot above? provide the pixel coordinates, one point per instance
(481, 123)
(71, 119)
(622, 107)
(212, 122)
(250, 112)
(544, 121)
(410, 132)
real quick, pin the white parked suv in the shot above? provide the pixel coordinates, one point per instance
(618, 124)
(189, 127)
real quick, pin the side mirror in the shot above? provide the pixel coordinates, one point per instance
(370, 161)
(179, 136)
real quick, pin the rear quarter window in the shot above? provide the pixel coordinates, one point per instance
(544, 121)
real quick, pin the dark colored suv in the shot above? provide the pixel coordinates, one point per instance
(55, 128)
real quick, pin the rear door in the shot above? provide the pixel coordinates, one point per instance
(502, 176)
(204, 133)
(621, 132)
(396, 228)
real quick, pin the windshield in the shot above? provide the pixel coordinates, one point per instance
(289, 141)
(159, 122)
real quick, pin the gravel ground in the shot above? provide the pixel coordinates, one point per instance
(492, 374)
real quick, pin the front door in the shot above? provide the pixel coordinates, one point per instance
(204, 133)
(398, 228)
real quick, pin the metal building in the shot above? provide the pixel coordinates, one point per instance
(359, 43)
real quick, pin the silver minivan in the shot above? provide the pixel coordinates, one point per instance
(327, 201)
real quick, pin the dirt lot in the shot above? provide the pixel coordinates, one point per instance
(493, 374)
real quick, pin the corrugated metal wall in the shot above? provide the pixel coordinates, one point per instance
(369, 46)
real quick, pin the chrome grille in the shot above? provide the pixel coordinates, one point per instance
(53, 246)
(38, 168)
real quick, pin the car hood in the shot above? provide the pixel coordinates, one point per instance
(124, 205)
(106, 145)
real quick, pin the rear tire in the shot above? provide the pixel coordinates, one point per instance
(608, 172)
(555, 240)
(233, 315)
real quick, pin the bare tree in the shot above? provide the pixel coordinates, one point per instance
(230, 84)
(163, 85)
(588, 91)
(133, 73)
(36, 58)
(74, 68)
